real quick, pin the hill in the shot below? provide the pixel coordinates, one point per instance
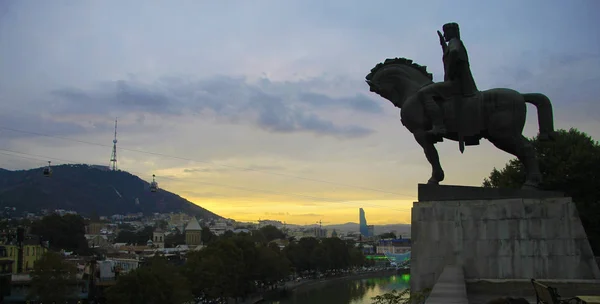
(88, 189)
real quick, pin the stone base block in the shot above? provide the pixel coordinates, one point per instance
(519, 238)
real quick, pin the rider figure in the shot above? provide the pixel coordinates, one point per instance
(458, 80)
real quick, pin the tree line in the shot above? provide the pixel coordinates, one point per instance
(231, 266)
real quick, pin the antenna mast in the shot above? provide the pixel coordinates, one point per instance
(113, 157)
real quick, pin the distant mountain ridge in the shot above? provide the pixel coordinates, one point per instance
(87, 189)
(354, 227)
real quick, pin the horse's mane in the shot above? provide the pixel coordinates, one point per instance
(401, 61)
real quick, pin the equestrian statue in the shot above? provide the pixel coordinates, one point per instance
(456, 110)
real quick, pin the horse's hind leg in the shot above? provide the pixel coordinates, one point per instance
(437, 173)
(522, 148)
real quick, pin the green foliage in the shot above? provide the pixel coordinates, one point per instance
(52, 279)
(159, 282)
(388, 235)
(174, 239)
(135, 237)
(63, 232)
(162, 224)
(570, 164)
(402, 297)
(311, 254)
(229, 267)
(206, 236)
(270, 233)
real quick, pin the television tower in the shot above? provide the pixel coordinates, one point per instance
(113, 157)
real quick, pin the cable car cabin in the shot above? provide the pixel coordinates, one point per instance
(153, 184)
(48, 171)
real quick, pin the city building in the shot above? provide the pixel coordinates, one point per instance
(393, 246)
(32, 251)
(364, 229)
(193, 233)
(370, 230)
(320, 232)
(98, 241)
(94, 228)
(5, 273)
(158, 238)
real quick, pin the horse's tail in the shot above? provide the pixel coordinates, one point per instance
(545, 116)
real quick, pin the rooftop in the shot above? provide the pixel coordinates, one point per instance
(193, 225)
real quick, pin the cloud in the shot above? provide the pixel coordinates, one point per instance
(276, 213)
(205, 170)
(287, 214)
(39, 123)
(225, 169)
(275, 84)
(358, 102)
(308, 215)
(275, 107)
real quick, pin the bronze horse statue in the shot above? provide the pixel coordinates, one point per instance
(497, 115)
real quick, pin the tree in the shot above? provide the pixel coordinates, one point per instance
(388, 235)
(52, 280)
(136, 238)
(217, 271)
(271, 233)
(206, 236)
(162, 224)
(94, 217)
(174, 239)
(159, 282)
(272, 265)
(571, 164)
(62, 232)
(402, 297)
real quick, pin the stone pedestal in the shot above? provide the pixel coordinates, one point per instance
(540, 237)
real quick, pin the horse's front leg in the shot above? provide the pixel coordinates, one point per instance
(437, 173)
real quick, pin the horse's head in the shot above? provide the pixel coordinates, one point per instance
(396, 79)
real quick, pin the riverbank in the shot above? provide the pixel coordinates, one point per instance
(307, 284)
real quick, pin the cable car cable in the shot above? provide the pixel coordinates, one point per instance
(281, 193)
(207, 162)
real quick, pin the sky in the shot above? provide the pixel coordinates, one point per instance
(259, 109)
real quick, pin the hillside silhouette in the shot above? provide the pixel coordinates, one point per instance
(89, 189)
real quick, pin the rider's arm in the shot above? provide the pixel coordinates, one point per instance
(454, 46)
(454, 49)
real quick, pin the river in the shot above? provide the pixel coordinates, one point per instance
(345, 291)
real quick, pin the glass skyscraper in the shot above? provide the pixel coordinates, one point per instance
(364, 229)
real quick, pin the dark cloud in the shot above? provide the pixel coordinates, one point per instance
(279, 108)
(41, 124)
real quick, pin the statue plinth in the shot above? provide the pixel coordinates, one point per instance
(498, 234)
(429, 192)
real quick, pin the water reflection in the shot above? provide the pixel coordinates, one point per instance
(346, 291)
